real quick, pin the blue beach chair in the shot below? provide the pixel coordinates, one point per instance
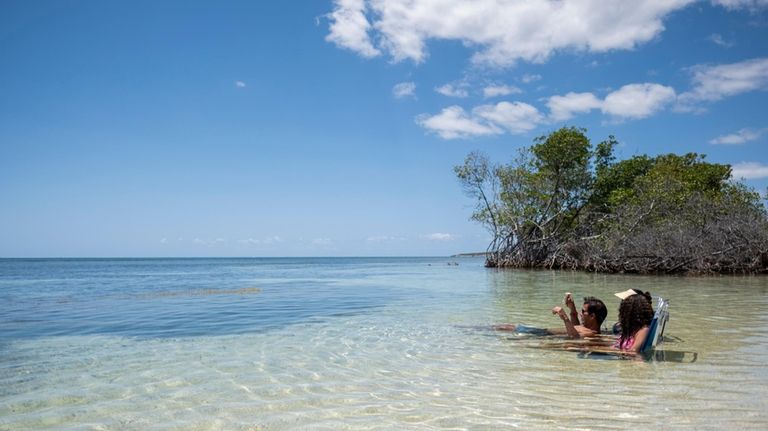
(657, 326)
(655, 338)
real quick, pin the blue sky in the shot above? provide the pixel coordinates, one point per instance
(322, 128)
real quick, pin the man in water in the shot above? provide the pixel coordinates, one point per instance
(593, 313)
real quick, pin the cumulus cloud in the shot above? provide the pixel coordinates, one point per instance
(501, 32)
(349, 27)
(516, 117)
(500, 90)
(632, 101)
(239, 84)
(565, 107)
(451, 90)
(738, 138)
(637, 100)
(453, 122)
(440, 237)
(749, 170)
(404, 89)
(712, 83)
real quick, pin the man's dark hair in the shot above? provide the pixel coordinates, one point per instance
(596, 307)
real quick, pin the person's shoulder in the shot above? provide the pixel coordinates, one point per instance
(584, 331)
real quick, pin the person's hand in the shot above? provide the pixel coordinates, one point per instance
(560, 312)
(569, 300)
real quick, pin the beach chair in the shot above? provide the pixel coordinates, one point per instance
(655, 338)
(657, 326)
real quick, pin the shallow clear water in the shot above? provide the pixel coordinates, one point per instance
(358, 343)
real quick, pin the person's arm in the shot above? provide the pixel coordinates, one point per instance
(505, 327)
(569, 328)
(572, 306)
(640, 336)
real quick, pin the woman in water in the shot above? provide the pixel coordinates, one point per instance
(635, 314)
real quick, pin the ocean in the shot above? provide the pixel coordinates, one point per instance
(359, 343)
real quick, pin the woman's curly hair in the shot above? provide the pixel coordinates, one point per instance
(634, 313)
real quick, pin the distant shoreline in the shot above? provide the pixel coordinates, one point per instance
(478, 254)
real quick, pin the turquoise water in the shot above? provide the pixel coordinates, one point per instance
(358, 343)
(184, 297)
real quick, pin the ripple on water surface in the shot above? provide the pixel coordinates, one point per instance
(379, 346)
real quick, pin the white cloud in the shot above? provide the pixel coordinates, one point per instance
(440, 237)
(740, 137)
(404, 89)
(741, 4)
(528, 78)
(451, 90)
(239, 84)
(717, 39)
(386, 239)
(349, 27)
(632, 101)
(516, 117)
(500, 90)
(453, 122)
(209, 243)
(164, 241)
(712, 83)
(500, 31)
(749, 170)
(565, 107)
(265, 241)
(322, 242)
(637, 100)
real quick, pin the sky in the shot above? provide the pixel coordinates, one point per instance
(331, 128)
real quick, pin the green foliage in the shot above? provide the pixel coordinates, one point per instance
(604, 157)
(563, 151)
(563, 203)
(670, 177)
(561, 172)
(614, 183)
(690, 173)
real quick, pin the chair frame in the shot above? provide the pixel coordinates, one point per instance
(657, 326)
